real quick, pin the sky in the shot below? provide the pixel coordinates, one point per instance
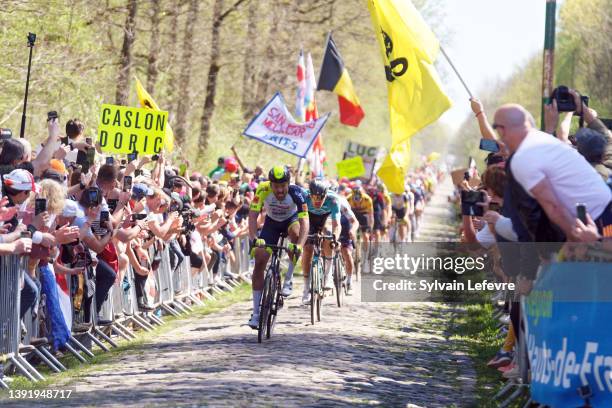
(488, 40)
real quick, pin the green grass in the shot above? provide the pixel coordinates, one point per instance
(476, 329)
(103, 360)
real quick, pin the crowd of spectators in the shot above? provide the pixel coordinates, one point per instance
(539, 187)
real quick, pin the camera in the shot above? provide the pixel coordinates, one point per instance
(469, 203)
(110, 160)
(138, 217)
(132, 156)
(127, 183)
(31, 39)
(93, 196)
(565, 100)
(112, 204)
(91, 156)
(4, 135)
(52, 115)
(40, 206)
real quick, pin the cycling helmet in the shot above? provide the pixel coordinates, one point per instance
(279, 174)
(318, 187)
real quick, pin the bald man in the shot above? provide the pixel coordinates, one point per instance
(552, 172)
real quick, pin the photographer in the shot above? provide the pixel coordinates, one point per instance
(592, 142)
(551, 171)
(494, 182)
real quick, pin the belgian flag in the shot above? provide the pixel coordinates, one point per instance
(335, 78)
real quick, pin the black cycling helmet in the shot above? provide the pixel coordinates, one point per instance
(279, 174)
(318, 188)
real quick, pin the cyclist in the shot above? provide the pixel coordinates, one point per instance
(381, 202)
(349, 225)
(321, 204)
(361, 204)
(286, 212)
(401, 204)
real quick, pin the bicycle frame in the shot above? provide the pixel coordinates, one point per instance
(271, 299)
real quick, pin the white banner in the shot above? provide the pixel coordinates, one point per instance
(275, 126)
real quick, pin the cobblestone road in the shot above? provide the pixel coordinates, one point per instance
(364, 354)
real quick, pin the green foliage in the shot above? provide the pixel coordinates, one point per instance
(77, 53)
(582, 62)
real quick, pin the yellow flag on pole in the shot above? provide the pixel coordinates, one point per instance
(147, 102)
(409, 49)
(416, 99)
(393, 170)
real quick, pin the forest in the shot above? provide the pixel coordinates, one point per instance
(212, 64)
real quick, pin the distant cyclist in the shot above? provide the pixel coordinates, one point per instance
(322, 203)
(349, 225)
(361, 204)
(286, 212)
(381, 202)
(401, 205)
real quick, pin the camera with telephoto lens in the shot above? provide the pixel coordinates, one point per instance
(188, 215)
(4, 135)
(565, 100)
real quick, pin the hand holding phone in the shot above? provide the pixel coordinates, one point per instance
(581, 213)
(127, 183)
(489, 145)
(40, 206)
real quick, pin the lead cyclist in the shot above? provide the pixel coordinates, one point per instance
(286, 212)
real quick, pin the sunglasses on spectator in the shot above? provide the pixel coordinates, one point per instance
(498, 126)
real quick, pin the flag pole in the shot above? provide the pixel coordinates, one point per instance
(456, 72)
(549, 55)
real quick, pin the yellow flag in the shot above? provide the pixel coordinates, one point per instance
(393, 170)
(409, 49)
(148, 103)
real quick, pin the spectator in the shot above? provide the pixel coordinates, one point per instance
(552, 172)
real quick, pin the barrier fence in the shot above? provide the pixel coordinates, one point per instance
(173, 288)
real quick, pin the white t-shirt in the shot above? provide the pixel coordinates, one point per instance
(572, 178)
(485, 237)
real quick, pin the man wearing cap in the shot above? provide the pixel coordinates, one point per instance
(593, 145)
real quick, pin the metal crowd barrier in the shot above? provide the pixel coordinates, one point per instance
(175, 293)
(11, 279)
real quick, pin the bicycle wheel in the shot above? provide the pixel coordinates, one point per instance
(314, 292)
(272, 293)
(264, 309)
(338, 280)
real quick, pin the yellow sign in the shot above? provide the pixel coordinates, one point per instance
(351, 168)
(126, 130)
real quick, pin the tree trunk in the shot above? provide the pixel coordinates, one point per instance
(184, 100)
(263, 84)
(125, 62)
(213, 71)
(153, 56)
(250, 54)
(170, 66)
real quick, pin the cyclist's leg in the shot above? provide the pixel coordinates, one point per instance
(293, 231)
(270, 234)
(347, 255)
(401, 224)
(306, 264)
(328, 254)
